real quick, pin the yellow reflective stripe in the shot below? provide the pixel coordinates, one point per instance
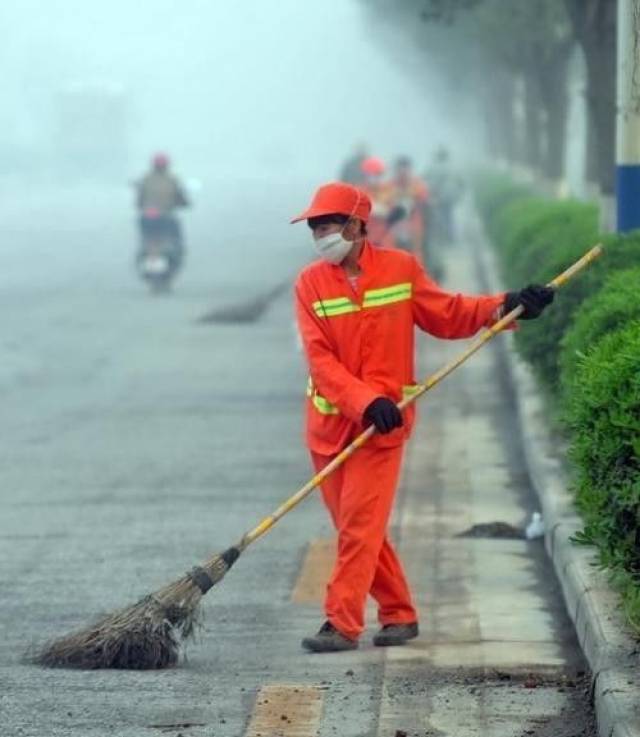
(387, 295)
(326, 408)
(372, 298)
(323, 405)
(333, 307)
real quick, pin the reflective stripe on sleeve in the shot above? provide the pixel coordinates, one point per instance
(324, 406)
(410, 390)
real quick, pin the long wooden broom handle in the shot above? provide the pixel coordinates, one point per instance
(421, 389)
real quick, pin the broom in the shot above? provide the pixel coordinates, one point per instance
(147, 634)
(243, 312)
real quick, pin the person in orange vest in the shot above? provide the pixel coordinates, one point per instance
(409, 194)
(357, 307)
(378, 190)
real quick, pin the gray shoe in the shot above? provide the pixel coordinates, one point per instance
(328, 640)
(395, 634)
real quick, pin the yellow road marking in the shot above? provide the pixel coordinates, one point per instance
(286, 710)
(314, 574)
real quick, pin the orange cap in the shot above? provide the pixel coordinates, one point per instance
(372, 165)
(338, 198)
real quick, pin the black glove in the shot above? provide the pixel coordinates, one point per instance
(384, 414)
(533, 298)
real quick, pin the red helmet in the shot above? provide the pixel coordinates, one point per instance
(160, 160)
(372, 166)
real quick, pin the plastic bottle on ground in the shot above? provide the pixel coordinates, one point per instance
(535, 528)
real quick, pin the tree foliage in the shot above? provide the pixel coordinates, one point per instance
(529, 41)
(445, 11)
(501, 45)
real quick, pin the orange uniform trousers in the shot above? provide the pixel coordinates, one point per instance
(359, 496)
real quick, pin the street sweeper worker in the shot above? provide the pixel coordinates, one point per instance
(357, 306)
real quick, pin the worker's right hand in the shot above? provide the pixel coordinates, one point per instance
(533, 298)
(384, 414)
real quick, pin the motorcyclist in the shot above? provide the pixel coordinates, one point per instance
(159, 195)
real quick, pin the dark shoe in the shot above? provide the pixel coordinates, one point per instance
(328, 640)
(395, 634)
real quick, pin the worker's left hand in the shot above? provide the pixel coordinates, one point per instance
(533, 298)
(384, 414)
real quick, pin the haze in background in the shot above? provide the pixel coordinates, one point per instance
(254, 88)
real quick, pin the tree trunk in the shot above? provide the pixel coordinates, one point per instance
(594, 23)
(500, 124)
(593, 168)
(554, 167)
(601, 94)
(554, 95)
(532, 123)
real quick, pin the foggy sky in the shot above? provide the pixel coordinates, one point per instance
(261, 86)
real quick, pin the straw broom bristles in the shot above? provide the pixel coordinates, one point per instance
(146, 635)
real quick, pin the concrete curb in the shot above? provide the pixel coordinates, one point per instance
(612, 653)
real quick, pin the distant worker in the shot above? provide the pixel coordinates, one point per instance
(409, 194)
(356, 308)
(379, 192)
(351, 170)
(372, 170)
(446, 188)
(159, 195)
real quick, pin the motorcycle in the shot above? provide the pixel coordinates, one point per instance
(160, 254)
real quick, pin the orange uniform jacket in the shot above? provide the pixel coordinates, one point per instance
(359, 341)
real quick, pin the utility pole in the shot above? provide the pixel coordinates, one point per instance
(628, 128)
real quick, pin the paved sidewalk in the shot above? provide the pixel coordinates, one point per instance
(493, 623)
(594, 607)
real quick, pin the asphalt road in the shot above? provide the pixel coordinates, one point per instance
(135, 441)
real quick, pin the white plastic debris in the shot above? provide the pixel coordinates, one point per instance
(535, 528)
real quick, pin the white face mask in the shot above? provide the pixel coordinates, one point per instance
(333, 247)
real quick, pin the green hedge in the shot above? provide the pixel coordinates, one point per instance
(538, 238)
(541, 342)
(611, 307)
(586, 350)
(539, 232)
(604, 416)
(494, 191)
